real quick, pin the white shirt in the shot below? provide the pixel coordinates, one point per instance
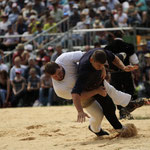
(69, 62)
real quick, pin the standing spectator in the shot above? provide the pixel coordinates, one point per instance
(18, 88)
(33, 86)
(5, 89)
(46, 90)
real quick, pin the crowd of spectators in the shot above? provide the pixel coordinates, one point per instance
(23, 82)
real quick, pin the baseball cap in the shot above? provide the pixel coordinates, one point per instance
(28, 47)
(18, 71)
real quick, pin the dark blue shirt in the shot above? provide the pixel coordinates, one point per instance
(89, 78)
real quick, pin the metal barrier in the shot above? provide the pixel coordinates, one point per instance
(60, 28)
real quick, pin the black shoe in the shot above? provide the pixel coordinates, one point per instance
(134, 104)
(123, 113)
(100, 133)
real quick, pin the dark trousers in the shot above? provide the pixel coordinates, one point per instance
(123, 81)
(109, 110)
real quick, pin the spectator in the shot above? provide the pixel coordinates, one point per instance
(8, 42)
(133, 15)
(74, 18)
(121, 17)
(46, 90)
(33, 23)
(49, 23)
(110, 23)
(56, 13)
(21, 25)
(104, 15)
(5, 89)
(2, 65)
(17, 65)
(40, 40)
(143, 8)
(18, 88)
(4, 23)
(31, 64)
(57, 53)
(33, 86)
(45, 60)
(27, 36)
(19, 53)
(13, 16)
(39, 8)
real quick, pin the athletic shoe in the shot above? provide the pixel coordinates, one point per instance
(100, 133)
(123, 113)
(134, 104)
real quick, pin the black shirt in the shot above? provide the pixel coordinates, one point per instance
(89, 78)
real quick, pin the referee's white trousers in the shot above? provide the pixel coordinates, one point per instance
(95, 110)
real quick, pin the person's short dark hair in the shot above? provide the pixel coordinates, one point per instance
(118, 34)
(99, 56)
(51, 68)
(97, 44)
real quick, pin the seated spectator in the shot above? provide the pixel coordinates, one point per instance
(110, 23)
(4, 23)
(46, 90)
(19, 52)
(40, 40)
(104, 14)
(33, 86)
(33, 23)
(38, 7)
(27, 36)
(49, 23)
(121, 17)
(143, 8)
(56, 13)
(21, 25)
(17, 65)
(5, 89)
(133, 15)
(2, 65)
(9, 43)
(13, 16)
(31, 64)
(18, 88)
(57, 53)
(45, 60)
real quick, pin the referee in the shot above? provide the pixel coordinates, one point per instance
(123, 80)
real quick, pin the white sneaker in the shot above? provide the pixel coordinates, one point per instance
(36, 103)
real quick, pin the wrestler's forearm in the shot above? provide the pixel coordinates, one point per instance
(118, 63)
(86, 95)
(76, 101)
